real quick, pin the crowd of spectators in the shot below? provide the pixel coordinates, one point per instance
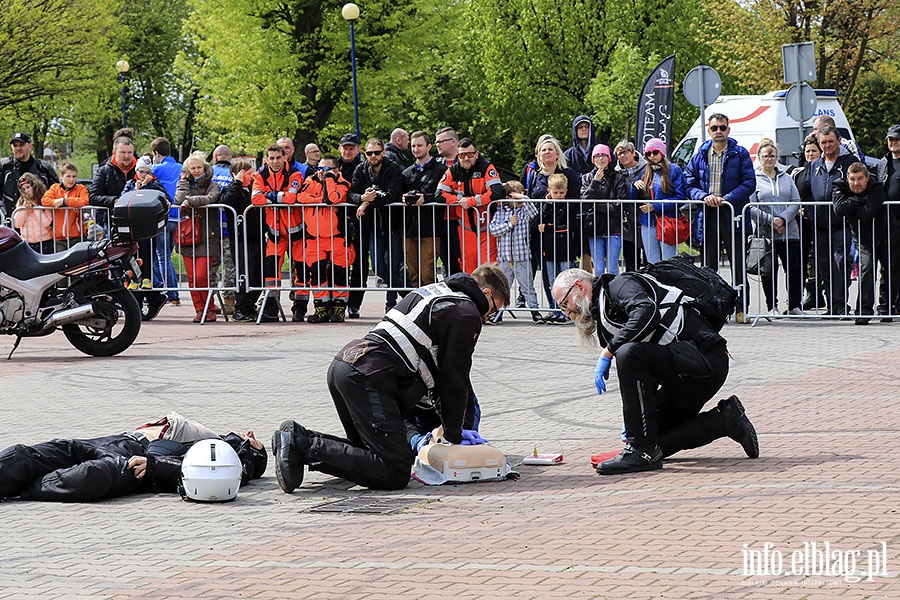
(413, 215)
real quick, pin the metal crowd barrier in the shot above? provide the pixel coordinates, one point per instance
(396, 248)
(606, 236)
(322, 249)
(821, 268)
(41, 223)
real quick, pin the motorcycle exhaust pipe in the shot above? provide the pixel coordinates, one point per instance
(70, 315)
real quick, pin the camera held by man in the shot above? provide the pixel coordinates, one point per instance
(324, 172)
(412, 197)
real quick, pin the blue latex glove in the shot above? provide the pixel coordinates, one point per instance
(420, 441)
(470, 437)
(601, 373)
(272, 197)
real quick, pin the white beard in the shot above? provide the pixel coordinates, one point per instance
(584, 323)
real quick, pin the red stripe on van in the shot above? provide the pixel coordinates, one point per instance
(751, 116)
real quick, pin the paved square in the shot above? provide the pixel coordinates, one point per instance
(823, 397)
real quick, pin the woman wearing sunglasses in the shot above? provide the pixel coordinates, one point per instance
(662, 183)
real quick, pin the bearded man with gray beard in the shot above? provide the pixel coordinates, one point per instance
(670, 362)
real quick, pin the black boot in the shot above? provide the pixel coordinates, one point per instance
(321, 313)
(155, 302)
(738, 427)
(632, 460)
(290, 447)
(337, 312)
(270, 311)
(298, 309)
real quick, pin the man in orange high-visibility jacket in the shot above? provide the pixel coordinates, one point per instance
(472, 183)
(327, 254)
(275, 185)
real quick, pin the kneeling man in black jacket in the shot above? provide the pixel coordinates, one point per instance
(670, 362)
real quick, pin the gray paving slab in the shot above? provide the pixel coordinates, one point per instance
(822, 395)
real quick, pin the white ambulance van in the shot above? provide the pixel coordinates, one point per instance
(753, 118)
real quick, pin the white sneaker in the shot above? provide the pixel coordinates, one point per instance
(796, 311)
(774, 312)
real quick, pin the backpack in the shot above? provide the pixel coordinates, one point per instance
(710, 295)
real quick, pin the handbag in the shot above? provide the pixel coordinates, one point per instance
(673, 230)
(190, 232)
(759, 256)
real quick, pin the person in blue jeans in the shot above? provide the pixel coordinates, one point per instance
(168, 172)
(663, 184)
(601, 222)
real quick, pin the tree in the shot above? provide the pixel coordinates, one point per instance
(540, 59)
(874, 108)
(851, 37)
(50, 53)
(161, 98)
(272, 69)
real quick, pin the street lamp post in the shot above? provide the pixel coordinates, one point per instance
(122, 67)
(350, 12)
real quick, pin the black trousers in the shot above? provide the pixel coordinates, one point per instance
(359, 270)
(888, 259)
(833, 265)
(721, 231)
(70, 470)
(791, 257)
(245, 300)
(664, 389)
(375, 452)
(449, 249)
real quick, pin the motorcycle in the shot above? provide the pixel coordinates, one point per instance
(81, 291)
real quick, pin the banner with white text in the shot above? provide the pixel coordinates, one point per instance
(654, 112)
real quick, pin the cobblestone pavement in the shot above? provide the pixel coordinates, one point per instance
(822, 395)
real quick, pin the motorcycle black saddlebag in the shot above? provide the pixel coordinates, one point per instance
(139, 215)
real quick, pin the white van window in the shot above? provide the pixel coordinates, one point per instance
(684, 152)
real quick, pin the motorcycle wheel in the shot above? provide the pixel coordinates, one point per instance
(111, 331)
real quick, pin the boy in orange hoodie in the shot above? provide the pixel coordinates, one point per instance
(67, 196)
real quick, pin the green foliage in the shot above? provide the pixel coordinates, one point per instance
(245, 72)
(275, 69)
(613, 93)
(150, 40)
(50, 54)
(874, 108)
(545, 61)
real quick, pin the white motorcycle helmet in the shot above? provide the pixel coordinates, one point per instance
(210, 472)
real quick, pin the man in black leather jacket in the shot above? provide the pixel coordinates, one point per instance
(417, 359)
(669, 360)
(87, 470)
(21, 162)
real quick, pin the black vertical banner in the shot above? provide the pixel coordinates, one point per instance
(654, 110)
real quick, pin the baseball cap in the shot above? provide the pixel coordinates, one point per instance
(20, 137)
(893, 132)
(349, 139)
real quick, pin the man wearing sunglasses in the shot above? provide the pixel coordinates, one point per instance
(376, 184)
(472, 183)
(670, 362)
(21, 162)
(721, 171)
(408, 375)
